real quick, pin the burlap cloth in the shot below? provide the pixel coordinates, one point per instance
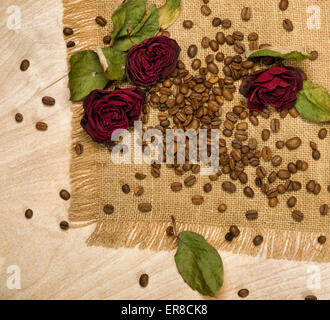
(96, 181)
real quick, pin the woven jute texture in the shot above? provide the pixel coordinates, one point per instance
(96, 181)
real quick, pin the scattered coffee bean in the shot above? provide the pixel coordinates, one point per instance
(257, 241)
(246, 14)
(196, 64)
(205, 42)
(276, 161)
(226, 23)
(310, 297)
(234, 231)
(101, 21)
(144, 280)
(207, 187)
(253, 36)
(18, 117)
(79, 148)
(265, 134)
(248, 192)
(321, 239)
(216, 22)
(313, 145)
(213, 68)
(106, 39)
(228, 186)
(176, 186)
(108, 209)
(145, 207)
(314, 55)
(287, 25)
(219, 57)
(28, 214)
(190, 181)
(292, 167)
(310, 186)
(188, 24)
(251, 215)
(292, 201)
(280, 144)
(140, 176)
(222, 207)
(283, 5)
(229, 237)
(323, 133)
(243, 293)
(206, 11)
(126, 189)
(70, 44)
(195, 168)
(316, 154)
(197, 200)
(275, 125)
(67, 32)
(138, 191)
(324, 209)
(65, 195)
(192, 51)
(41, 126)
(293, 143)
(170, 231)
(284, 174)
(25, 64)
(48, 101)
(297, 215)
(64, 225)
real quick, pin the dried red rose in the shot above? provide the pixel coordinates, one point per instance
(105, 111)
(276, 87)
(153, 59)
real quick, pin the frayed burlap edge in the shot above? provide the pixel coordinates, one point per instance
(85, 183)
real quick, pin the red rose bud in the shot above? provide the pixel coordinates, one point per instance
(276, 87)
(105, 111)
(153, 59)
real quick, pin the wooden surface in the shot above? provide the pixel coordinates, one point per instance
(34, 167)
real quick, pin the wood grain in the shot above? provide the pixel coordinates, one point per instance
(34, 167)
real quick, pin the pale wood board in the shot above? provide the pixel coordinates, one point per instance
(34, 167)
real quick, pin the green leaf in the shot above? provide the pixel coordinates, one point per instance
(86, 74)
(313, 103)
(168, 13)
(113, 62)
(199, 264)
(282, 53)
(127, 16)
(147, 28)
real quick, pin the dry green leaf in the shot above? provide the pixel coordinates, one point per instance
(168, 13)
(282, 53)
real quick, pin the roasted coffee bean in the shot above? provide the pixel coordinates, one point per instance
(291, 202)
(239, 47)
(190, 181)
(293, 143)
(140, 176)
(25, 64)
(253, 36)
(228, 60)
(195, 168)
(108, 209)
(226, 23)
(254, 120)
(293, 112)
(228, 186)
(234, 231)
(126, 189)
(170, 231)
(243, 178)
(192, 51)
(188, 24)
(272, 177)
(219, 57)
(252, 143)
(253, 45)
(144, 280)
(257, 241)
(222, 207)
(310, 186)
(287, 25)
(314, 55)
(272, 202)
(106, 39)
(324, 209)
(246, 14)
(67, 32)
(280, 144)
(214, 45)
(281, 189)
(317, 189)
(41, 126)
(79, 148)
(229, 237)
(196, 64)
(323, 133)
(176, 186)
(272, 193)
(28, 214)
(65, 195)
(316, 154)
(209, 58)
(206, 10)
(101, 21)
(265, 134)
(145, 207)
(310, 297)
(220, 37)
(213, 68)
(283, 5)
(283, 174)
(248, 192)
(248, 64)
(251, 215)
(275, 125)
(237, 35)
(296, 185)
(138, 191)
(292, 167)
(230, 40)
(207, 187)
(313, 145)
(70, 44)
(276, 161)
(243, 293)
(227, 94)
(216, 22)
(155, 172)
(18, 117)
(297, 215)
(197, 200)
(321, 239)
(64, 225)
(205, 43)
(48, 101)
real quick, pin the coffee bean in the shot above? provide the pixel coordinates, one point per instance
(253, 45)
(323, 133)
(239, 47)
(79, 148)
(253, 36)
(287, 25)
(216, 22)
(284, 174)
(140, 176)
(251, 215)
(324, 209)
(293, 112)
(226, 23)
(108, 209)
(41, 126)
(126, 189)
(297, 215)
(243, 293)
(155, 172)
(101, 21)
(276, 161)
(192, 51)
(206, 11)
(188, 24)
(254, 120)
(248, 192)
(246, 14)
(292, 167)
(28, 214)
(18, 117)
(195, 168)
(144, 280)
(176, 186)
(145, 207)
(234, 231)
(106, 39)
(70, 44)
(257, 241)
(229, 237)
(291, 202)
(65, 195)
(67, 32)
(25, 64)
(170, 231)
(316, 154)
(227, 94)
(228, 186)
(310, 186)
(207, 187)
(293, 143)
(222, 207)
(220, 37)
(219, 57)
(314, 55)
(317, 189)
(64, 225)
(265, 134)
(213, 68)
(197, 200)
(310, 297)
(190, 181)
(280, 144)
(313, 145)
(230, 40)
(321, 239)
(196, 64)
(138, 191)
(48, 101)
(283, 5)
(275, 125)
(272, 177)
(272, 202)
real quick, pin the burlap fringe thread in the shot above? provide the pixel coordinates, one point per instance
(85, 207)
